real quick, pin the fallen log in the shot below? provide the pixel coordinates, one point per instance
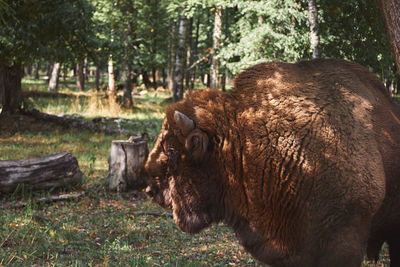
(40, 173)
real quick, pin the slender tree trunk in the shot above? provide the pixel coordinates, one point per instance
(155, 78)
(171, 56)
(49, 68)
(10, 87)
(37, 68)
(128, 101)
(180, 60)
(314, 29)
(390, 10)
(86, 69)
(146, 79)
(195, 48)
(189, 53)
(80, 77)
(97, 79)
(214, 70)
(55, 75)
(112, 90)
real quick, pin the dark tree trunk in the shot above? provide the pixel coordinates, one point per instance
(223, 83)
(54, 78)
(214, 69)
(128, 101)
(314, 29)
(39, 173)
(180, 60)
(97, 79)
(146, 79)
(391, 16)
(37, 68)
(10, 87)
(49, 69)
(126, 165)
(80, 79)
(155, 78)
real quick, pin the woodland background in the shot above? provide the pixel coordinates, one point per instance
(119, 64)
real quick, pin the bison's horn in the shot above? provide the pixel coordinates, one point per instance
(184, 123)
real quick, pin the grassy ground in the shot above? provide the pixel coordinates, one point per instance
(100, 228)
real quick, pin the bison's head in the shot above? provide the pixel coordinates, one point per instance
(182, 173)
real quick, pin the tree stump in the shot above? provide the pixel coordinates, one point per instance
(126, 164)
(40, 173)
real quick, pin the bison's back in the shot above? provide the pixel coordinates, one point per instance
(322, 124)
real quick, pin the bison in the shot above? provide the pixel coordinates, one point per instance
(301, 160)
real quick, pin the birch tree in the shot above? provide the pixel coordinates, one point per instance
(314, 29)
(180, 59)
(214, 68)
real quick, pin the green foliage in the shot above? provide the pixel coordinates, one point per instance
(354, 30)
(56, 30)
(266, 31)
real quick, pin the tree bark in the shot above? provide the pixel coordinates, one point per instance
(126, 164)
(214, 69)
(55, 75)
(189, 53)
(37, 68)
(180, 60)
(128, 101)
(97, 79)
(171, 57)
(80, 77)
(10, 87)
(314, 29)
(195, 48)
(146, 79)
(390, 10)
(40, 173)
(112, 90)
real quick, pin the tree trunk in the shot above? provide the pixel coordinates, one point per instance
(180, 60)
(37, 68)
(112, 90)
(55, 74)
(39, 173)
(314, 29)
(391, 15)
(80, 76)
(128, 101)
(214, 69)
(10, 87)
(195, 48)
(189, 53)
(97, 79)
(126, 165)
(146, 79)
(171, 57)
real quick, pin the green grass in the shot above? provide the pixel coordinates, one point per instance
(100, 228)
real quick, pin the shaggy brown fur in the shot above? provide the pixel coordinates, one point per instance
(294, 159)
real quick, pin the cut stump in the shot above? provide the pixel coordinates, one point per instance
(39, 173)
(126, 164)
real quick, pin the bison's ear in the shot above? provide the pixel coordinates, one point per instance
(196, 143)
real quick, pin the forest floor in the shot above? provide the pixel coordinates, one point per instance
(99, 228)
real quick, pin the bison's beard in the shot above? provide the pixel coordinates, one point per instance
(190, 222)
